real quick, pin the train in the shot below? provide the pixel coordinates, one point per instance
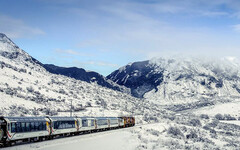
(15, 130)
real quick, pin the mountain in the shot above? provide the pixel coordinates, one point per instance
(181, 79)
(138, 76)
(87, 76)
(27, 88)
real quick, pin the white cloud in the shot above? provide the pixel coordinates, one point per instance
(236, 27)
(68, 51)
(214, 13)
(16, 28)
(96, 63)
(71, 52)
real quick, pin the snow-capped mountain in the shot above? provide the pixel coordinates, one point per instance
(26, 88)
(180, 79)
(138, 76)
(83, 75)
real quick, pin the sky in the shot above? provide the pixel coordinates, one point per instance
(103, 35)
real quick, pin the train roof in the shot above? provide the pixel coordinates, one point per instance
(106, 118)
(62, 118)
(86, 117)
(90, 117)
(59, 118)
(24, 119)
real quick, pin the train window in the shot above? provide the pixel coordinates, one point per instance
(84, 123)
(40, 126)
(61, 125)
(18, 127)
(102, 122)
(92, 122)
(55, 125)
(36, 126)
(13, 128)
(44, 126)
(28, 127)
(23, 126)
(70, 124)
(64, 124)
(32, 126)
(114, 121)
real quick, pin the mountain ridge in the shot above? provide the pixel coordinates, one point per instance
(170, 79)
(83, 75)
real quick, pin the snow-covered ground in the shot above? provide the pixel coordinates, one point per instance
(232, 108)
(236, 122)
(121, 139)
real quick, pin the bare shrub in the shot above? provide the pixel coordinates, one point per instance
(192, 135)
(228, 117)
(30, 89)
(219, 117)
(175, 131)
(204, 116)
(88, 104)
(195, 122)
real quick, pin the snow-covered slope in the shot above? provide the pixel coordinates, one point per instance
(88, 76)
(26, 88)
(181, 79)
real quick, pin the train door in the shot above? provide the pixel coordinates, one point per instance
(125, 121)
(80, 123)
(89, 122)
(77, 124)
(108, 123)
(49, 124)
(95, 123)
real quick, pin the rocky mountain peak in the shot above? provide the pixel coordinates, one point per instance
(10, 51)
(5, 40)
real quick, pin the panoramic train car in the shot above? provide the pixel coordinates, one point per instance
(24, 128)
(63, 125)
(102, 123)
(87, 123)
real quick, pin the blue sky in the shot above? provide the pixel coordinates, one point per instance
(103, 35)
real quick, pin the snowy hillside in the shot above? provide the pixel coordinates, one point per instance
(26, 88)
(178, 80)
(88, 76)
